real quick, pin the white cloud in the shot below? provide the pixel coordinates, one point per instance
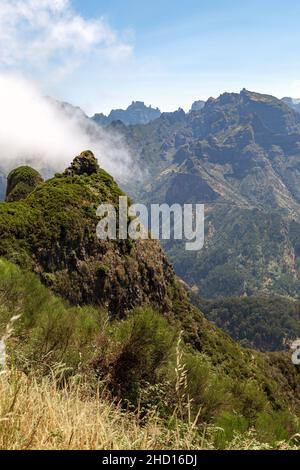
(43, 33)
(39, 132)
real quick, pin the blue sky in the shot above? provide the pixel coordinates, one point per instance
(166, 53)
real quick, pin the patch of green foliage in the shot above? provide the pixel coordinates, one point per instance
(136, 352)
(49, 331)
(262, 323)
(47, 230)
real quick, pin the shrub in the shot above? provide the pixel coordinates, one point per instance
(273, 427)
(136, 352)
(252, 400)
(209, 393)
(230, 425)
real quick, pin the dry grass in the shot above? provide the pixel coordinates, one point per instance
(38, 415)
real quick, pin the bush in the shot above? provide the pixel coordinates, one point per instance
(252, 400)
(136, 353)
(273, 427)
(209, 393)
(230, 425)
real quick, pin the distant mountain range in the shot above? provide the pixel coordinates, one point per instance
(139, 113)
(136, 113)
(240, 155)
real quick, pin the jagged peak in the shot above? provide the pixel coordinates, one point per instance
(85, 163)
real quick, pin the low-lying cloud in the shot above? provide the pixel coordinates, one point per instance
(39, 131)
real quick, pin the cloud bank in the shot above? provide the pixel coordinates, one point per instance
(41, 132)
(49, 33)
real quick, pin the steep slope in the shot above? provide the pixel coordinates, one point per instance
(52, 231)
(240, 156)
(228, 389)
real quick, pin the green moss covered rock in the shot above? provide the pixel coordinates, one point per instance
(84, 164)
(21, 182)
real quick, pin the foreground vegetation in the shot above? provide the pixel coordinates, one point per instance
(38, 415)
(91, 383)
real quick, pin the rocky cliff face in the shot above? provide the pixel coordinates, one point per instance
(240, 155)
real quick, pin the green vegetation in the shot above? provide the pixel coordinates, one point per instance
(238, 251)
(145, 362)
(124, 323)
(263, 323)
(21, 182)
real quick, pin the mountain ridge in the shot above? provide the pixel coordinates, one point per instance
(240, 156)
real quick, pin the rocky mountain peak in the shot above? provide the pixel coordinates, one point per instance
(85, 163)
(136, 113)
(197, 106)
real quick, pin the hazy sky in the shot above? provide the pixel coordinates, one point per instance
(104, 54)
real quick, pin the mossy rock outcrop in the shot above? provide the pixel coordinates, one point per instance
(84, 164)
(21, 182)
